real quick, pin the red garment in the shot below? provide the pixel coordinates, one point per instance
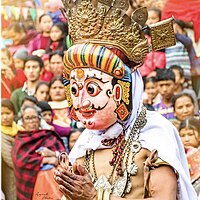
(186, 10)
(46, 76)
(8, 86)
(152, 61)
(27, 162)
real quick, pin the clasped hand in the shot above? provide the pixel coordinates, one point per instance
(75, 184)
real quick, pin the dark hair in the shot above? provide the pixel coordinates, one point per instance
(191, 123)
(60, 53)
(41, 83)
(57, 78)
(165, 75)
(179, 68)
(181, 23)
(35, 58)
(158, 11)
(30, 98)
(43, 15)
(62, 42)
(151, 79)
(44, 105)
(179, 95)
(8, 104)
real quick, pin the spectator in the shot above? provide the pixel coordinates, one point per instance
(20, 37)
(56, 63)
(57, 37)
(42, 91)
(165, 79)
(19, 58)
(73, 136)
(179, 80)
(9, 130)
(11, 78)
(59, 103)
(47, 115)
(151, 91)
(27, 158)
(32, 70)
(155, 59)
(183, 105)
(189, 131)
(42, 39)
(46, 75)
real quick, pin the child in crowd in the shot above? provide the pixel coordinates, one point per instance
(165, 79)
(42, 91)
(150, 90)
(42, 39)
(189, 131)
(57, 37)
(19, 58)
(73, 136)
(155, 59)
(9, 130)
(47, 114)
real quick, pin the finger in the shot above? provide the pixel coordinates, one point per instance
(63, 175)
(82, 171)
(69, 174)
(68, 186)
(74, 167)
(65, 192)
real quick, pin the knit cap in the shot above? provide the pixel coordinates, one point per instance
(21, 54)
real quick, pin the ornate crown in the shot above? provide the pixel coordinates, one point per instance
(105, 22)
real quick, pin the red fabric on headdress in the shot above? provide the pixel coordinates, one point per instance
(186, 10)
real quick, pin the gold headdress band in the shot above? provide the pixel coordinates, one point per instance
(105, 22)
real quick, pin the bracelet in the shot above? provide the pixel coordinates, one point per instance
(103, 194)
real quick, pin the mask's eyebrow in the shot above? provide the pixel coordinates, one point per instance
(95, 77)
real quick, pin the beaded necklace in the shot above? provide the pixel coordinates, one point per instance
(121, 153)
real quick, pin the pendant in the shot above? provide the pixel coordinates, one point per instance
(102, 182)
(120, 185)
(132, 169)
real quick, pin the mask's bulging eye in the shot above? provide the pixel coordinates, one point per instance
(75, 90)
(93, 89)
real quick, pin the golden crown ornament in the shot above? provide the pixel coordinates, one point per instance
(106, 23)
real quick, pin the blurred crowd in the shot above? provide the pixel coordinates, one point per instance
(33, 101)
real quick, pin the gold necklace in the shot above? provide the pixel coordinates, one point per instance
(122, 185)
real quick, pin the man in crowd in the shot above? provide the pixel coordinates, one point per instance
(32, 70)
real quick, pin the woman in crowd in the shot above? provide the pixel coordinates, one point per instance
(189, 132)
(183, 105)
(28, 159)
(9, 130)
(42, 91)
(59, 105)
(57, 37)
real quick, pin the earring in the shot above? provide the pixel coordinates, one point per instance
(122, 111)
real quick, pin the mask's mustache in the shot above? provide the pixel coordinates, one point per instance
(91, 107)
